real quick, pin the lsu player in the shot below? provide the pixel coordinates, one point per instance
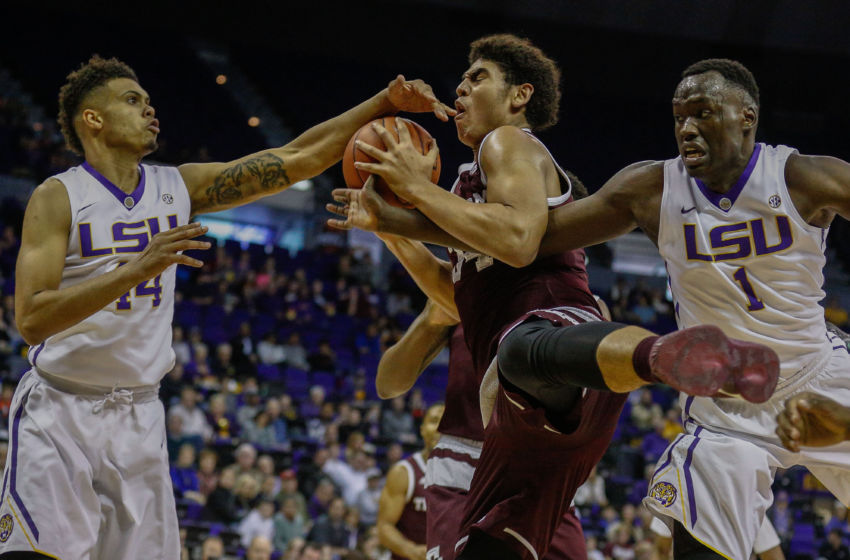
(87, 470)
(742, 227)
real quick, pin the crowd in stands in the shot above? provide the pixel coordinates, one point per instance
(277, 440)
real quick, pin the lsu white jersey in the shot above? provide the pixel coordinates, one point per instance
(746, 260)
(128, 342)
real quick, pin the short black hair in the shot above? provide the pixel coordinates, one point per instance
(579, 191)
(79, 83)
(522, 62)
(733, 71)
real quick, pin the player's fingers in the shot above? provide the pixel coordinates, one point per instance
(336, 209)
(403, 131)
(443, 111)
(338, 224)
(186, 231)
(388, 139)
(433, 150)
(371, 150)
(367, 167)
(341, 195)
(188, 261)
(188, 245)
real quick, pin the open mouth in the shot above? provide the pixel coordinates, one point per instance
(693, 154)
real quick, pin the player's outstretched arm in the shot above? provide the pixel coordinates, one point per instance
(217, 186)
(365, 209)
(820, 187)
(401, 364)
(432, 275)
(43, 309)
(622, 203)
(390, 508)
(812, 420)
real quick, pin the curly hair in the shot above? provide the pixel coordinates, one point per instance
(733, 71)
(78, 84)
(522, 62)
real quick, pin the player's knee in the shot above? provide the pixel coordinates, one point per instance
(514, 353)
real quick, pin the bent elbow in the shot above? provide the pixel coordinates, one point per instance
(30, 333)
(522, 255)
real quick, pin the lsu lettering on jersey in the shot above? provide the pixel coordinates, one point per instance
(746, 260)
(128, 342)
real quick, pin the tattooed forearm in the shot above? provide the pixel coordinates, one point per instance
(262, 173)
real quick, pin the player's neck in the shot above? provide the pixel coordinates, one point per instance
(724, 181)
(120, 168)
(424, 454)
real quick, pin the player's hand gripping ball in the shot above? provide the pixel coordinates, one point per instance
(355, 178)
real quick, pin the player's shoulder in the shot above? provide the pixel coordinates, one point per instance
(398, 477)
(52, 192)
(510, 138)
(640, 177)
(802, 170)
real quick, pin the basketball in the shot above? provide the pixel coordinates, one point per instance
(355, 178)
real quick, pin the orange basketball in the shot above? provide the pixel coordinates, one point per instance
(355, 178)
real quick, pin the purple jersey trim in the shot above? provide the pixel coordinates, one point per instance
(5, 482)
(733, 193)
(689, 479)
(136, 195)
(12, 489)
(37, 351)
(669, 456)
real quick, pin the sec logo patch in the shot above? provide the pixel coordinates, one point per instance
(664, 493)
(6, 526)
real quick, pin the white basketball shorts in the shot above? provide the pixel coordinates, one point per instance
(87, 475)
(716, 478)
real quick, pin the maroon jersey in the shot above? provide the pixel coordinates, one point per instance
(490, 295)
(411, 524)
(462, 415)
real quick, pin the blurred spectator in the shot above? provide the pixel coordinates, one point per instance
(247, 492)
(212, 548)
(395, 452)
(265, 464)
(316, 427)
(207, 473)
(259, 430)
(221, 503)
(295, 353)
(621, 547)
(593, 552)
(289, 489)
(592, 492)
(289, 523)
(251, 405)
(368, 498)
(222, 365)
(397, 423)
(244, 349)
(369, 341)
(330, 528)
(259, 549)
(350, 478)
(184, 477)
(172, 385)
(645, 412)
(258, 523)
(277, 422)
(840, 519)
(324, 358)
(270, 351)
(246, 457)
(193, 420)
(321, 498)
(628, 521)
(833, 548)
(643, 311)
(311, 408)
(783, 519)
(221, 422)
(673, 423)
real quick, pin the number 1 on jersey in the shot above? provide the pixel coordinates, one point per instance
(755, 303)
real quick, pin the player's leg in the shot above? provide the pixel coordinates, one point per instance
(686, 547)
(538, 356)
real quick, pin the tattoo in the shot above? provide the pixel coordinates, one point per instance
(262, 173)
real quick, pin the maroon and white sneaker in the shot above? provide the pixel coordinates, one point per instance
(704, 362)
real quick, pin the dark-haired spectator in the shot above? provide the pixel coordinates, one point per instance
(289, 523)
(323, 358)
(251, 402)
(212, 548)
(368, 342)
(172, 385)
(270, 351)
(222, 365)
(331, 528)
(277, 422)
(367, 499)
(258, 522)
(321, 498)
(207, 473)
(221, 504)
(397, 423)
(833, 548)
(184, 476)
(350, 478)
(182, 349)
(645, 411)
(294, 352)
(592, 492)
(259, 431)
(622, 546)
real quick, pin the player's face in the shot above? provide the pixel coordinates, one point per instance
(428, 430)
(128, 117)
(483, 102)
(710, 119)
